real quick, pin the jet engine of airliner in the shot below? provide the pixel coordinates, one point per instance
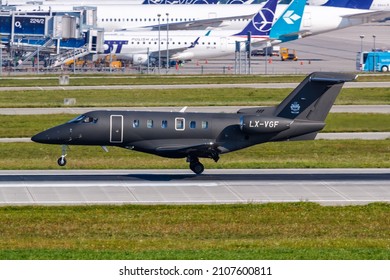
(139, 59)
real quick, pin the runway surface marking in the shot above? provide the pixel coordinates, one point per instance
(324, 186)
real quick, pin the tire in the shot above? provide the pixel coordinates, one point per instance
(385, 68)
(61, 161)
(197, 167)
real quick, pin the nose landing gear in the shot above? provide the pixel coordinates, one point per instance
(62, 160)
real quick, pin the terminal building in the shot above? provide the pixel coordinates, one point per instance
(48, 38)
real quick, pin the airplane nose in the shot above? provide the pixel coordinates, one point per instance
(39, 138)
(56, 135)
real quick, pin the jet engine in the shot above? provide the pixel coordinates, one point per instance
(140, 59)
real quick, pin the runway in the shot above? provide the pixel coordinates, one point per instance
(85, 187)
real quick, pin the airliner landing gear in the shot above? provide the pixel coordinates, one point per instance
(62, 160)
(195, 165)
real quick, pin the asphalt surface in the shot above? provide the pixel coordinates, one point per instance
(187, 86)
(324, 186)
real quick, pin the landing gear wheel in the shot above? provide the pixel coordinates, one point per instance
(197, 167)
(61, 161)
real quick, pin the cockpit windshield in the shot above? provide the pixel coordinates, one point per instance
(83, 119)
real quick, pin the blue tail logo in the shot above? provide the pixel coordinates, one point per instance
(261, 23)
(287, 27)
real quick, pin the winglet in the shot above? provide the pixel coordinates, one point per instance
(193, 44)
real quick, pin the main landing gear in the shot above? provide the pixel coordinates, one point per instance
(62, 160)
(195, 165)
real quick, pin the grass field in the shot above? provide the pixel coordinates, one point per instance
(303, 154)
(250, 231)
(178, 97)
(28, 125)
(80, 79)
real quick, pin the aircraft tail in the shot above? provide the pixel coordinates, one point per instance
(312, 99)
(287, 27)
(353, 4)
(261, 24)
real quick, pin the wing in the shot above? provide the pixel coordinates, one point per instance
(369, 16)
(179, 148)
(195, 24)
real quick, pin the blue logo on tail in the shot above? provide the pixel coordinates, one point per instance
(287, 27)
(261, 23)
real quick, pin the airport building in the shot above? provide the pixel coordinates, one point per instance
(49, 38)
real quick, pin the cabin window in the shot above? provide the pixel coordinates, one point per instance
(149, 123)
(83, 119)
(164, 123)
(89, 120)
(192, 124)
(205, 124)
(179, 123)
(136, 123)
(77, 119)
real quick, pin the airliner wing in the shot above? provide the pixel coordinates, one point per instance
(171, 52)
(369, 16)
(196, 24)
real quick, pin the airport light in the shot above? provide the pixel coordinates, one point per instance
(167, 41)
(159, 43)
(374, 37)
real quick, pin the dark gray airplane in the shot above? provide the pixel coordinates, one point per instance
(205, 135)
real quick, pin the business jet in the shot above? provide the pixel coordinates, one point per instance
(186, 45)
(204, 135)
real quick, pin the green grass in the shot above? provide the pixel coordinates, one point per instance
(178, 97)
(81, 79)
(28, 125)
(96, 79)
(313, 154)
(250, 231)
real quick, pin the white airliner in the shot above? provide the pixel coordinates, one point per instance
(184, 45)
(316, 19)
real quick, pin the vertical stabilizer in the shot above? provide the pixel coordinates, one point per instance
(260, 25)
(313, 97)
(287, 26)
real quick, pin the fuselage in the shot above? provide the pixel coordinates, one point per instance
(316, 19)
(137, 45)
(174, 134)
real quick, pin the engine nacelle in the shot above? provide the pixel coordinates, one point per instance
(140, 59)
(257, 124)
(183, 56)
